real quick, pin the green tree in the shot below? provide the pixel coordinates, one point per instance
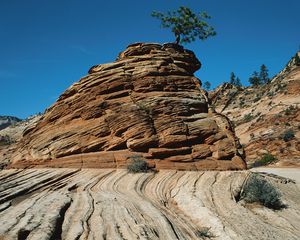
(255, 79)
(263, 75)
(297, 60)
(235, 80)
(206, 85)
(238, 82)
(186, 25)
(232, 78)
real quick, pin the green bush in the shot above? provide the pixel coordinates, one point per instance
(266, 159)
(288, 135)
(248, 117)
(137, 165)
(258, 189)
(5, 140)
(290, 110)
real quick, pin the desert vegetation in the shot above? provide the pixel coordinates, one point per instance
(186, 25)
(260, 78)
(288, 135)
(266, 159)
(258, 190)
(137, 165)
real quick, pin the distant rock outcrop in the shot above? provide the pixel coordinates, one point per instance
(11, 135)
(6, 121)
(266, 117)
(146, 103)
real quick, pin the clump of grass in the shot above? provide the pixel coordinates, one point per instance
(266, 159)
(258, 190)
(137, 165)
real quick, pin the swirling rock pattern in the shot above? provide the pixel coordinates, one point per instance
(146, 103)
(112, 204)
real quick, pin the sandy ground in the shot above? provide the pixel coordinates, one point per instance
(112, 204)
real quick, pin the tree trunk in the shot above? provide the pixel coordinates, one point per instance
(177, 35)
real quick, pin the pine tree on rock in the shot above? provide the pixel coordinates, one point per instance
(263, 75)
(232, 78)
(235, 80)
(206, 85)
(186, 25)
(255, 79)
(238, 82)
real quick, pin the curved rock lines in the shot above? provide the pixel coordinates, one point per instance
(112, 204)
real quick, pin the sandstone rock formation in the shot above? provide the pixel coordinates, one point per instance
(265, 116)
(103, 204)
(146, 103)
(11, 135)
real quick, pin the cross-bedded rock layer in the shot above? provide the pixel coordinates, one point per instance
(147, 103)
(104, 204)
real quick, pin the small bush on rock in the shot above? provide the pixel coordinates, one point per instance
(137, 165)
(258, 189)
(288, 135)
(265, 160)
(248, 117)
(5, 140)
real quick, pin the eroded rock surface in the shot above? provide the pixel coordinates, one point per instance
(11, 135)
(146, 103)
(112, 204)
(266, 117)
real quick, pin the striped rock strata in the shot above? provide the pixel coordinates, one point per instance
(104, 204)
(146, 103)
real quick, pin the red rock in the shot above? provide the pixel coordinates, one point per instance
(145, 103)
(223, 149)
(201, 151)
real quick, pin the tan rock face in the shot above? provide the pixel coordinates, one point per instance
(147, 102)
(264, 116)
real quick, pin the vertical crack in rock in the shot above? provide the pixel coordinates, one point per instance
(57, 233)
(23, 234)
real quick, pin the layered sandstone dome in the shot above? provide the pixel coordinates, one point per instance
(147, 103)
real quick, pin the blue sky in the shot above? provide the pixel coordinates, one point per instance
(46, 45)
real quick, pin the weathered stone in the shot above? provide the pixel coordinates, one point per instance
(203, 127)
(201, 151)
(223, 149)
(146, 103)
(164, 152)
